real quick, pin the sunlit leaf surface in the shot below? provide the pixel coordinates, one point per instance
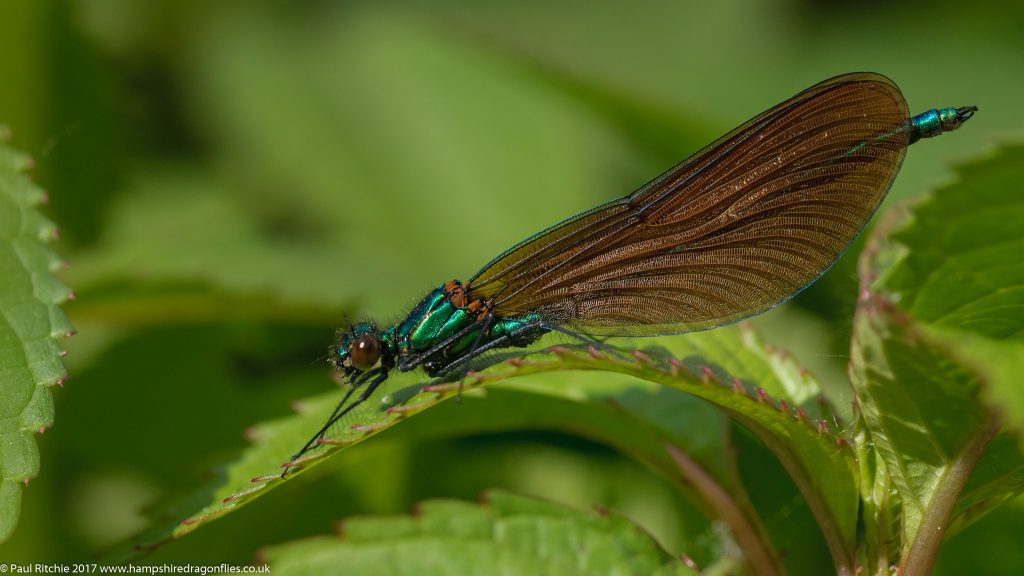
(937, 332)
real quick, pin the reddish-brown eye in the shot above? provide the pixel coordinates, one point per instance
(364, 351)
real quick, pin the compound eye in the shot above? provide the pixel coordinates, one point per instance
(364, 351)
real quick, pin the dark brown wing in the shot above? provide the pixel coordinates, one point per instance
(734, 230)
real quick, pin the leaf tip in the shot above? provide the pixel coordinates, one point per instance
(324, 441)
(865, 294)
(558, 350)
(296, 462)
(706, 375)
(484, 497)
(401, 409)
(643, 358)
(439, 389)
(369, 428)
(243, 493)
(417, 509)
(675, 366)
(801, 415)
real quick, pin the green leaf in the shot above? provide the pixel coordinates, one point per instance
(762, 388)
(999, 363)
(920, 407)
(786, 413)
(30, 320)
(605, 407)
(959, 264)
(181, 227)
(507, 534)
(937, 329)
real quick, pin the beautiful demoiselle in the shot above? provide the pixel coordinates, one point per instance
(734, 230)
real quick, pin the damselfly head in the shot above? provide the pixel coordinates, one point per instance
(357, 349)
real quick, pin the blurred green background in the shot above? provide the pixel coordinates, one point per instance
(230, 176)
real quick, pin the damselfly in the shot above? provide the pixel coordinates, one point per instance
(734, 230)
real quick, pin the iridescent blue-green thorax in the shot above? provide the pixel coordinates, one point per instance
(447, 324)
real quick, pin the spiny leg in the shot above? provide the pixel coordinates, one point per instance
(503, 340)
(323, 430)
(370, 389)
(338, 413)
(507, 338)
(472, 352)
(357, 381)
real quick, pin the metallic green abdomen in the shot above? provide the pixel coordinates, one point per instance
(937, 121)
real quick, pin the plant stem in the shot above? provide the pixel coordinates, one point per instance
(920, 558)
(758, 554)
(841, 557)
